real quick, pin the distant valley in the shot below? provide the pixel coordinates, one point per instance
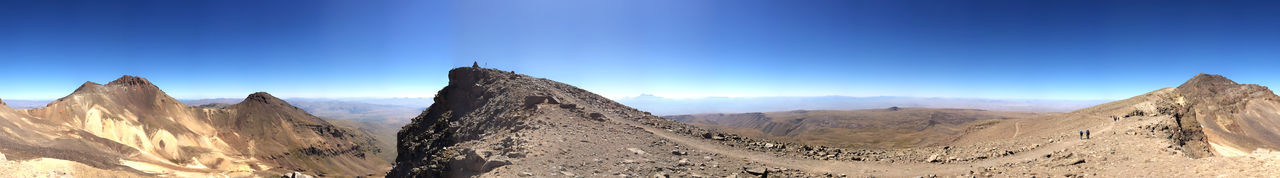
(673, 106)
(883, 128)
(370, 110)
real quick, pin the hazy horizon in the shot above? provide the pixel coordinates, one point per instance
(1051, 50)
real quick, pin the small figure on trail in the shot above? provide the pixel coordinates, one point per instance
(1086, 134)
(1082, 135)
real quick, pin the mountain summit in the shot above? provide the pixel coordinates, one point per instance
(131, 126)
(264, 98)
(130, 80)
(1233, 118)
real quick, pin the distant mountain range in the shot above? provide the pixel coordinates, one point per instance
(669, 106)
(399, 110)
(389, 111)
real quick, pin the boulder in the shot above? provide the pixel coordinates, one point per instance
(296, 175)
(1075, 161)
(531, 101)
(636, 151)
(480, 160)
(596, 116)
(678, 152)
(758, 171)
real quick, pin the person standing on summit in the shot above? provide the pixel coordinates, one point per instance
(1086, 134)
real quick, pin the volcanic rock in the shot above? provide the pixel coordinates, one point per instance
(1216, 110)
(131, 119)
(129, 80)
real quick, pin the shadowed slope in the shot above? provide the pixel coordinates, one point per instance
(294, 139)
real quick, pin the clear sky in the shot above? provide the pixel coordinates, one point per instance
(674, 48)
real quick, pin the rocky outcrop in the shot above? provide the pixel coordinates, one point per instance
(265, 99)
(129, 80)
(423, 142)
(1216, 114)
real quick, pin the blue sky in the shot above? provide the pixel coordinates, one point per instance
(677, 48)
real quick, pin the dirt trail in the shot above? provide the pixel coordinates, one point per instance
(1016, 129)
(858, 168)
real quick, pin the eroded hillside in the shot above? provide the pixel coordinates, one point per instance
(1232, 118)
(130, 125)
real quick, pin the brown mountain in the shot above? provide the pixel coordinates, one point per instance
(1226, 117)
(130, 124)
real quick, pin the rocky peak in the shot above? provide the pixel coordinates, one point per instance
(463, 76)
(262, 97)
(129, 80)
(87, 86)
(1209, 82)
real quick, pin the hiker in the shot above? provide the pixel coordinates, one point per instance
(1086, 134)
(1082, 135)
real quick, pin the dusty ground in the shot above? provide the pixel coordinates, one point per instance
(49, 167)
(882, 128)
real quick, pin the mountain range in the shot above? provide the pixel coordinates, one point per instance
(679, 106)
(131, 127)
(494, 123)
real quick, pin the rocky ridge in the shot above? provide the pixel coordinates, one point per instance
(1217, 115)
(488, 122)
(131, 125)
(493, 123)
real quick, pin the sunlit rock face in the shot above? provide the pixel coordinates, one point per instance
(131, 124)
